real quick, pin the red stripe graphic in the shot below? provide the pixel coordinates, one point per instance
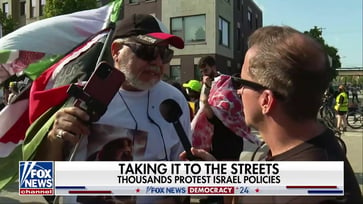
(89, 192)
(311, 186)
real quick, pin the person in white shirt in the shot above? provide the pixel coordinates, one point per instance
(140, 49)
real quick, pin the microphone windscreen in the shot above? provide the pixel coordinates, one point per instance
(170, 110)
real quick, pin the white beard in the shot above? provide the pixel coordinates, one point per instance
(133, 81)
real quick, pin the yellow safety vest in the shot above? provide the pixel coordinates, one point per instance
(192, 106)
(344, 105)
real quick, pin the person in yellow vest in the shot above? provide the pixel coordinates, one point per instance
(193, 88)
(13, 91)
(341, 107)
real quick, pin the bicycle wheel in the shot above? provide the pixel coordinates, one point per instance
(330, 113)
(327, 114)
(355, 119)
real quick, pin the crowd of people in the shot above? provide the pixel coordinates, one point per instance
(278, 92)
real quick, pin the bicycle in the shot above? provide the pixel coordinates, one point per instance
(327, 117)
(355, 116)
(327, 114)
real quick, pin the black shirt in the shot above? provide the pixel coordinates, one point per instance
(226, 145)
(323, 147)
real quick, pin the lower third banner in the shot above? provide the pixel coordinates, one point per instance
(181, 178)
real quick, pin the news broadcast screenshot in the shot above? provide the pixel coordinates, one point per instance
(181, 102)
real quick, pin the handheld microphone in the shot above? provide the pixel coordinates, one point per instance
(171, 112)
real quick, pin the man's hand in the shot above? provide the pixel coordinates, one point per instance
(207, 81)
(70, 123)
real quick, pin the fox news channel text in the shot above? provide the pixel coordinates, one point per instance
(181, 178)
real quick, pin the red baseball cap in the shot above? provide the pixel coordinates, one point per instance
(145, 29)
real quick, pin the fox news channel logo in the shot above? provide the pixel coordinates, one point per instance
(36, 178)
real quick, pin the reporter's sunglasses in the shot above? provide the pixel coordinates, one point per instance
(239, 83)
(150, 52)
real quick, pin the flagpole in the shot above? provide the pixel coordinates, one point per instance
(107, 43)
(116, 14)
(101, 57)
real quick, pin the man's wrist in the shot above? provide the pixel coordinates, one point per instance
(205, 90)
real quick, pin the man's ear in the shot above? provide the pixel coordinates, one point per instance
(115, 49)
(267, 101)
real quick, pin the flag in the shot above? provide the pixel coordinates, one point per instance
(15, 117)
(45, 92)
(59, 34)
(15, 61)
(72, 24)
(227, 107)
(42, 96)
(51, 37)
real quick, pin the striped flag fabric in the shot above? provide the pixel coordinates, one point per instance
(11, 47)
(13, 62)
(42, 94)
(61, 33)
(50, 37)
(35, 101)
(21, 114)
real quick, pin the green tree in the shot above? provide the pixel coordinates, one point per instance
(316, 33)
(60, 7)
(7, 22)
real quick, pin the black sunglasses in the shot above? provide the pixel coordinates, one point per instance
(239, 83)
(150, 52)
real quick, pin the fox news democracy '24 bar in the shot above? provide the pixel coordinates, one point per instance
(180, 178)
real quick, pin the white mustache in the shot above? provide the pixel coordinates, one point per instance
(154, 69)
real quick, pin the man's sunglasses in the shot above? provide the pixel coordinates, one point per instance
(239, 83)
(151, 52)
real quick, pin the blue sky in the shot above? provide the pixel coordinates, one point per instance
(340, 20)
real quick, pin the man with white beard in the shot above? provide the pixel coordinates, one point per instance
(140, 49)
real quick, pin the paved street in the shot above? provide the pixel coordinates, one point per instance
(354, 142)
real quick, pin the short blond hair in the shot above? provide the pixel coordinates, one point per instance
(292, 64)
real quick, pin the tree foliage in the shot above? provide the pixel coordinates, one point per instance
(7, 22)
(60, 7)
(316, 33)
